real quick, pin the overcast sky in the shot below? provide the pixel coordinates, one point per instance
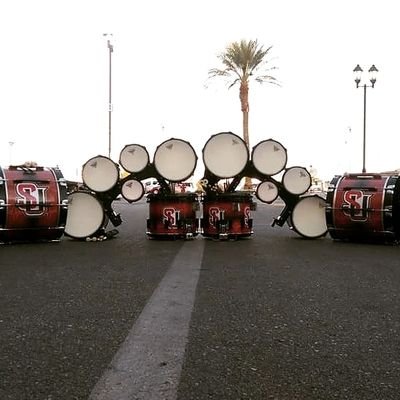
(54, 79)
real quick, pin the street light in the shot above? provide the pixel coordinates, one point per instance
(372, 78)
(110, 50)
(11, 144)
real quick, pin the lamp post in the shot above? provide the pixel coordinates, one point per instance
(372, 78)
(11, 144)
(110, 50)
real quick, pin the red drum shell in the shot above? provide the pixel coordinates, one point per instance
(364, 207)
(172, 215)
(33, 204)
(227, 215)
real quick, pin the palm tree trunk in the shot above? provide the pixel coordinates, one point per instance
(244, 101)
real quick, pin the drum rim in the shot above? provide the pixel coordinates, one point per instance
(108, 187)
(294, 225)
(277, 191)
(134, 180)
(231, 134)
(264, 141)
(291, 168)
(101, 223)
(190, 147)
(138, 145)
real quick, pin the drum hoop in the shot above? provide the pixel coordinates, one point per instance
(140, 146)
(190, 147)
(274, 141)
(236, 137)
(134, 180)
(294, 225)
(291, 169)
(277, 191)
(102, 221)
(111, 163)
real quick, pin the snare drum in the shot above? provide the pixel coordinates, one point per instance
(86, 215)
(296, 180)
(175, 160)
(100, 174)
(172, 215)
(33, 204)
(132, 190)
(134, 158)
(225, 155)
(308, 217)
(269, 157)
(267, 191)
(227, 215)
(364, 207)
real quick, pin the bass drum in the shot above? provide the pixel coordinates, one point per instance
(134, 158)
(33, 204)
(269, 157)
(225, 155)
(175, 160)
(132, 190)
(364, 207)
(100, 174)
(86, 215)
(308, 217)
(267, 192)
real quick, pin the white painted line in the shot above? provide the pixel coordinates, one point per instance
(148, 364)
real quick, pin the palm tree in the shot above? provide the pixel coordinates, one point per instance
(243, 61)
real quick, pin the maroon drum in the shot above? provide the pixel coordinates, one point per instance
(33, 204)
(364, 207)
(227, 215)
(172, 215)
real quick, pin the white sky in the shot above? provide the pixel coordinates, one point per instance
(54, 79)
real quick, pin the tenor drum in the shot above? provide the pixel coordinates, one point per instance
(33, 204)
(225, 155)
(100, 174)
(86, 215)
(364, 207)
(175, 160)
(308, 217)
(227, 215)
(296, 180)
(132, 190)
(134, 158)
(269, 157)
(172, 215)
(267, 192)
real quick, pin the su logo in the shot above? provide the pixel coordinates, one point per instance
(31, 198)
(171, 217)
(356, 204)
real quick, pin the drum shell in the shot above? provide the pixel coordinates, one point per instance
(33, 204)
(172, 215)
(227, 214)
(364, 207)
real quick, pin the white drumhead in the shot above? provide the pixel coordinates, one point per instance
(85, 215)
(175, 160)
(132, 190)
(308, 217)
(269, 157)
(267, 192)
(134, 158)
(225, 155)
(296, 180)
(100, 174)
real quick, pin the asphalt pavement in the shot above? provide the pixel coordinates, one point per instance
(274, 316)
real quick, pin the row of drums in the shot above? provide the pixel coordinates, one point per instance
(35, 205)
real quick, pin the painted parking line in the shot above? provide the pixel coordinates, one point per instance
(148, 364)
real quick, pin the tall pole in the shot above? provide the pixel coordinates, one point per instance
(110, 50)
(365, 123)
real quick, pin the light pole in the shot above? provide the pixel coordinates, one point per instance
(372, 78)
(110, 50)
(11, 144)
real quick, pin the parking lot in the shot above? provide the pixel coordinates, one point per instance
(274, 316)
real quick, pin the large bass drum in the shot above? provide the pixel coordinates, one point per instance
(269, 157)
(100, 174)
(33, 204)
(364, 207)
(86, 215)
